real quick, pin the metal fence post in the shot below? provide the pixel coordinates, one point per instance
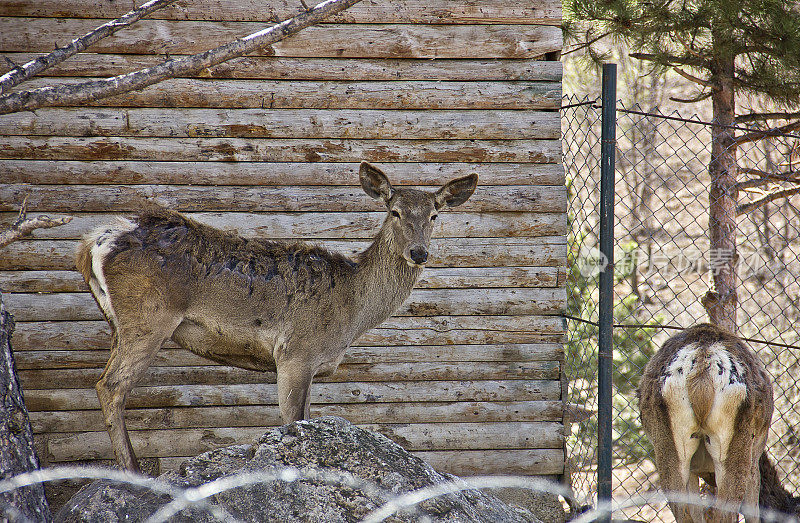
(606, 305)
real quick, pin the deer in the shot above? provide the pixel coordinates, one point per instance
(706, 405)
(291, 308)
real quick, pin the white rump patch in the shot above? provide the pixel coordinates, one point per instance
(727, 376)
(102, 240)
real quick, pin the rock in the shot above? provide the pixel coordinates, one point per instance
(321, 446)
(543, 505)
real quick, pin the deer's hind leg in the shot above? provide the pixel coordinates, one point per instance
(132, 352)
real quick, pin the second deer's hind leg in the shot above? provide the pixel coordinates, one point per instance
(131, 354)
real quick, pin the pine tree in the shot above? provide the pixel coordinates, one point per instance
(727, 48)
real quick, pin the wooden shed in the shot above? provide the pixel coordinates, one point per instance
(468, 374)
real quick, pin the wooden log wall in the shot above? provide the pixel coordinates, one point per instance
(467, 374)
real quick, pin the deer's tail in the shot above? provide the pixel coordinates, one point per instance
(700, 385)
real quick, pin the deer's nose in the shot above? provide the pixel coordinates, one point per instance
(419, 255)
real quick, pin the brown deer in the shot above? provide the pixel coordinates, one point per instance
(290, 308)
(706, 406)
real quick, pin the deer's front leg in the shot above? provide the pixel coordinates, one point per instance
(294, 389)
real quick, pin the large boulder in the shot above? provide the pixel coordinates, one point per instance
(324, 446)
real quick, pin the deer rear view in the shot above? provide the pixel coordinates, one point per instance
(292, 308)
(706, 405)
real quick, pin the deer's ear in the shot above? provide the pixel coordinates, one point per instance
(375, 183)
(456, 192)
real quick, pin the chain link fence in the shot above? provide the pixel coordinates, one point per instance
(663, 267)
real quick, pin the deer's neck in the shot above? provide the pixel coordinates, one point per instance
(383, 280)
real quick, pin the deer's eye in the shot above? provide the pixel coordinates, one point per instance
(433, 217)
(395, 213)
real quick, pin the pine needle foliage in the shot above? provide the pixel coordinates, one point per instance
(762, 36)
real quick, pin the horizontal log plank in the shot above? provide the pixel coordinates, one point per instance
(277, 150)
(68, 306)
(319, 69)
(294, 94)
(266, 394)
(463, 252)
(23, 34)
(443, 330)
(169, 357)
(543, 12)
(543, 463)
(269, 415)
(431, 436)
(346, 373)
(263, 174)
(227, 198)
(362, 124)
(432, 278)
(330, 225)
(532, 462)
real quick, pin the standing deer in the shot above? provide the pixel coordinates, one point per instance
(706, 406)
(291, 308)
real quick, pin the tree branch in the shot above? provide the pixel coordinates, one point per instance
(586, 44)
(699, 98)
(768, 133)
(704, 83)
(24, 72)
(760, 117)
(783, 193)
(96, 89)
(23, 225)
(671, 59)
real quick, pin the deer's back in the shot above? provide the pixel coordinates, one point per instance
(220, 280)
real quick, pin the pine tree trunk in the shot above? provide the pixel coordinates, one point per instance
(17, 454)
(721, 303)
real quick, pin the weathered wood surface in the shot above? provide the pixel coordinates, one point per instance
(289, 198)
(320, 69)
(333, 393)
(429, 330)
(453, 252)
(269, 415)
(346, 373)
(429, 436)
(243, 173)
(277, 150)
(432, 278)
(544, 12)
(68, 306)
(169, 357)
(489, 462)
(293, 94)
(545, 463)
(537, 462)
(328, 225)
(23, 34)
(364, 124)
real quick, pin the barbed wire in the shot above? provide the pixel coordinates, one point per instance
(184, 498)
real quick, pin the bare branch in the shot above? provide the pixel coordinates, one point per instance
(786, 176)
(586, 44)
(704, 83)
(24, 72)
(23, 225)
(671, 59)
(699, 98)
(783, 193)
(755, 136)
(96, 89)
(760, 117)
